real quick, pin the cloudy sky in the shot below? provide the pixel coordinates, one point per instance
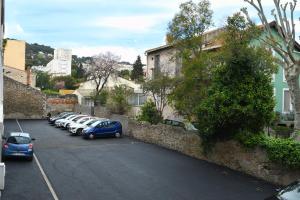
(88, 27)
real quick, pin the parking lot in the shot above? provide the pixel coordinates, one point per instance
(118, 168)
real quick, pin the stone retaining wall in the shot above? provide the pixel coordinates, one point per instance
(230, 153)
(22, 101)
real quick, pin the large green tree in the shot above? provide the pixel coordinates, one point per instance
(186, 33)
(240, 98)
(186, 29)
(137, 73)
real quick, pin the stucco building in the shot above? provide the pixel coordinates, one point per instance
(14, 54)
(163, 59)
(14, 63)
(60, 65)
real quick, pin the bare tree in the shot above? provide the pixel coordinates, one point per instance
(101, 67)
(285, 47)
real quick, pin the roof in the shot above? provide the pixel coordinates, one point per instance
(208, 37)
(16, 134)
(160, 48)
(85, 92)
(65, 92)
(213, 43)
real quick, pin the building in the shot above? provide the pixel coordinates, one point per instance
(14, 63)
(86, 91)
(2, 175)
(60, 65)
(163, 59)
(14, 54)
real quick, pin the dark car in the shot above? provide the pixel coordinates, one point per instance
(18, 145)
(103, 129)
(60, 116)
(290, 192)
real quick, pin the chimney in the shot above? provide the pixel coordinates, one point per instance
(28, 76)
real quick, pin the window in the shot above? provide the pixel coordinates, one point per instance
(287, 103)
(137, 99)
(283, 75)
(156, 66)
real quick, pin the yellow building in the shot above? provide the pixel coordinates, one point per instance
(14, 54)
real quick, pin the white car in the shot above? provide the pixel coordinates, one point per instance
(59, 122)
(80, 121)
(66, 123)
(77, 129)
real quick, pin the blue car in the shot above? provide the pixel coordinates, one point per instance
(18, 145)
(103, 129)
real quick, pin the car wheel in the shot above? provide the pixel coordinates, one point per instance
(91, 136)
(79, 131)
(117, 135)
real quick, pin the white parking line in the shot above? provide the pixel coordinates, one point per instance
(42, 171)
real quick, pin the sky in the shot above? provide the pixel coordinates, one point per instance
(126, 28)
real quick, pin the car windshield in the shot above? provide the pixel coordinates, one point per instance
(292, 192)
(77, 118)
(18, 140)
(91, 122)
(83, 120)
(95, 123)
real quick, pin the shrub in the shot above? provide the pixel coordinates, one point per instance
(240, 97)
(149, 113)
(102, 97)
(118, 99)
(285, 152)
(50, 92)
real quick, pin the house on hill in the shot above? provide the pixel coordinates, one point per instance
(163, 59)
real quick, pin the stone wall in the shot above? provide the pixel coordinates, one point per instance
(57, 103)
(22, 101)
(88, 110)
(230, 153)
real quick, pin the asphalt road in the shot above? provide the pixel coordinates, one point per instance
(119, 169)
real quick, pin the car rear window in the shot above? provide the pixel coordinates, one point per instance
(18, 140)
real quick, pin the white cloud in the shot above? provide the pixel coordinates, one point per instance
(133, 23)
(126, 54)
(12, 30)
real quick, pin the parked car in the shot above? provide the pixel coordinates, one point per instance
(52, 120)
(76, 129)
(181, 123)
(290, 192)
(103, 129)
(18, 145)
(66, 123)
(58, 123)
(80, 121)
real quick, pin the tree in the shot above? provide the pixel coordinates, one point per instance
(102, 66)
(186, 33)
(191, 88)
(186, 29)
(125, 74)
(137, 73)
(159, 89)
(43, 81)
(240, 98)
(285, 26)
